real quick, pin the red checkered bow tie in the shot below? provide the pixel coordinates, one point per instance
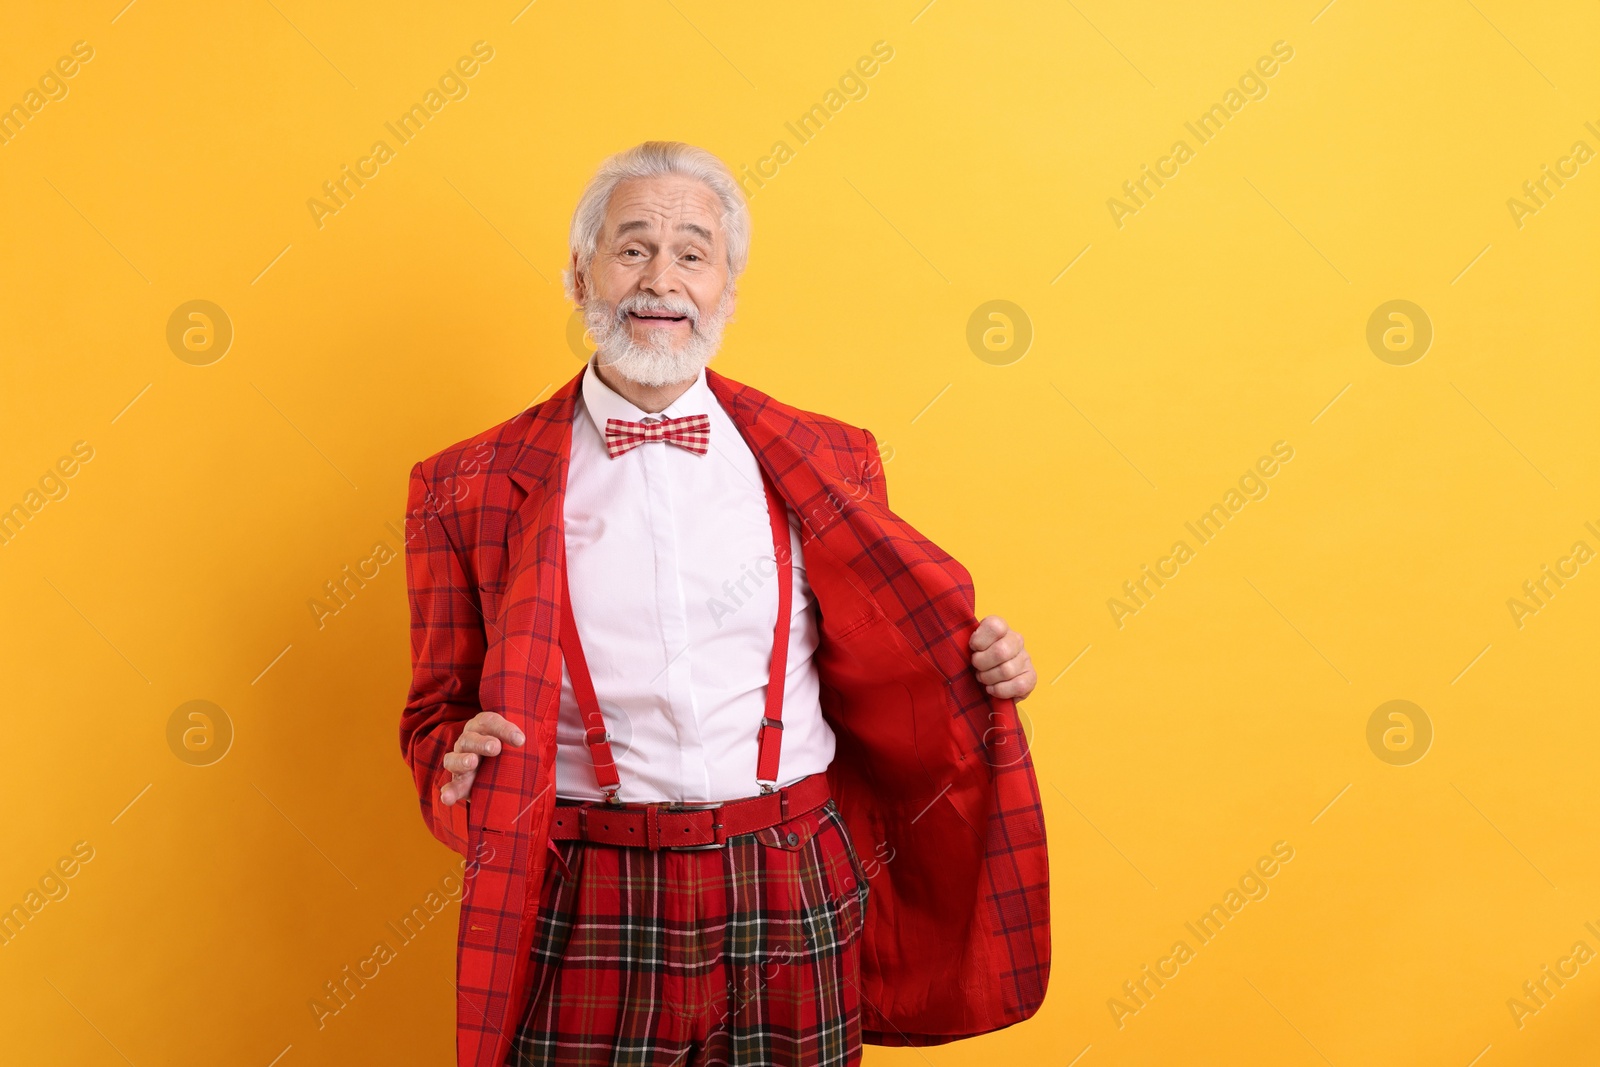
(688, 431)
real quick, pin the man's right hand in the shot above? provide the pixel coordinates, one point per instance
(485, 732)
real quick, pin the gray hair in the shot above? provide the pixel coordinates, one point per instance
(655, 159)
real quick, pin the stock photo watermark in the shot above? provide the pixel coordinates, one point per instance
(338, 192)
(851, 86)
(1251, 886)
(999, 332)
(1137, 192)
(199, 733)
(1399, 732)
(53, 888)
(1399, 332)
(338, 592)
(52, 88)
(1539, 591)
(199, 332)
(1538, 192)
(1137, 593)
(52, 486)
(1539, 991)
(340, 992)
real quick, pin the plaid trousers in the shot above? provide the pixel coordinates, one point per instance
(740, 955)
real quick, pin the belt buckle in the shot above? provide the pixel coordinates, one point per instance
(676, 806)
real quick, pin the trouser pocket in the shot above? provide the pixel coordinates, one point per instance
(813, 881)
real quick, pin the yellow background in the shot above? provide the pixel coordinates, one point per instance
(1227, 314)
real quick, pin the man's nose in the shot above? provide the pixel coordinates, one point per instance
(663, 278)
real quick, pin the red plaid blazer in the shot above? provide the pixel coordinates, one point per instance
(931, 774)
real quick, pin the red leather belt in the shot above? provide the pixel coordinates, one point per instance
(657, 826)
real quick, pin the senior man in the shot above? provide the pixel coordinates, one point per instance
(737, 774)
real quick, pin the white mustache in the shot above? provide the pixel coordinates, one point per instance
(685, 309)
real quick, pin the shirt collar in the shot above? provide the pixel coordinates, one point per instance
(604, 402)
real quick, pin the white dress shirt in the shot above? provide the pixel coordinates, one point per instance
(670, 563)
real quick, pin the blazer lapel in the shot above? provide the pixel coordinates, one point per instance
(524, 663)
(540, 471)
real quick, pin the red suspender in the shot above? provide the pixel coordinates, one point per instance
(769, 736)
(594, 724)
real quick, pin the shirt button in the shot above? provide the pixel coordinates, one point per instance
(793, 838)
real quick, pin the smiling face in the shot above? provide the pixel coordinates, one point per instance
(657, 293)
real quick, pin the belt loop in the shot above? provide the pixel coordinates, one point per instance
(652, 827)
(783, 803)
(583, 822)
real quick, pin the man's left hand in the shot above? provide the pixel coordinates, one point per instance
(1002, 663)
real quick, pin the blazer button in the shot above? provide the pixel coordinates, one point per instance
(793, 838)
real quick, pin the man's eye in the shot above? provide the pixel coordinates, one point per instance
(631, 252)
(691, 255)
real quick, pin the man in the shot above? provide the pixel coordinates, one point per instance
(737, 775)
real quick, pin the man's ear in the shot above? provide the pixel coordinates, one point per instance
(580, 281)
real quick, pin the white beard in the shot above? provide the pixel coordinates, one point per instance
(655, 363)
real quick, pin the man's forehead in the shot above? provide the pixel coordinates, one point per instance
(673, 202)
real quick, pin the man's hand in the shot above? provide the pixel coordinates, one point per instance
(1003, 665)
(483, 736)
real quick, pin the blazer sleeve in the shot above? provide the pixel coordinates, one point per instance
(447, 652)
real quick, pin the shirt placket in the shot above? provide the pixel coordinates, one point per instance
(690, 778)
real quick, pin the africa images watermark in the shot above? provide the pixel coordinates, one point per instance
(337, 592)
(1252, 485)
(1252, 85)
(52, 486)
(737, 592)
(1251, 886)
(1538, 992)
(1538, 192)
(53, 88)
(338, 993)
(852, 85)
(755, 573)
(1538, 592)
(452, 85)
(52, 887)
